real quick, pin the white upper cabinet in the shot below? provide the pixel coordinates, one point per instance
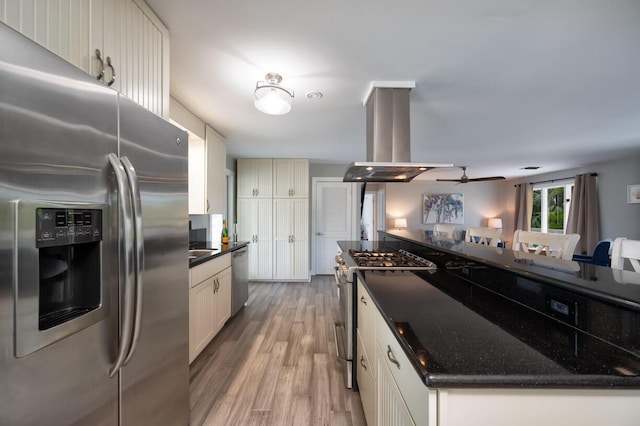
(291, 178)
(216, 179)
(133, 44)
(197, 175)
(255, 177)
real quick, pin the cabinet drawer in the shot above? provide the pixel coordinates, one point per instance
(367, 323)
(413, 390)
(208, 269)
(366, 383)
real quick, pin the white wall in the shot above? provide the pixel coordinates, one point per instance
(481, 201)
(617, 218)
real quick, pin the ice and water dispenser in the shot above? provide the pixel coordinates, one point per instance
(68, 243)
(59, 276)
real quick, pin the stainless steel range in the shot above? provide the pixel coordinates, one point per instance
(348, 263)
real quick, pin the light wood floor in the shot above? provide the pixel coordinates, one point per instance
(274, 363)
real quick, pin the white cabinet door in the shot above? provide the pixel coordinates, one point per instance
(70, 29)
(245, 178)
(222, 296)
(254, 225)
(366, 384)
(291, 178)
(282, 247)
(300, 239)
(291, 239)
(142, 68)
(201, 317)
(414, 393)
(197, 175)
(392, 410)
(255, 177)
(215, 178)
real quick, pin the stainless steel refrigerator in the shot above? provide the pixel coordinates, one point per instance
(93, 250)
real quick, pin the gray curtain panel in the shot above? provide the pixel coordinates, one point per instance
(584, 214)
(524, 206)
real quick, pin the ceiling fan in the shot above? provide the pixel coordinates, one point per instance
(465, 179)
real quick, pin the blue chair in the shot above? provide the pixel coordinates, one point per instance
(600, 255)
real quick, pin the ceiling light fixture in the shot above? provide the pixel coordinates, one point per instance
(270, 97)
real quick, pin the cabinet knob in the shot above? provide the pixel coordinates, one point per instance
(319, 234)
(362, 362)
(363, 300)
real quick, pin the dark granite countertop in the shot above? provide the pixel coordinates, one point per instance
(595, 281)
(220, 249)
(459, 334)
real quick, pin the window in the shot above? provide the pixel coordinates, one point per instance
(551, 203)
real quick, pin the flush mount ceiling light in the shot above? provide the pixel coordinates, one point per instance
(270, 97)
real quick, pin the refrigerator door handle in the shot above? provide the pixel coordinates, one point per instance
(139, 251)
(127, 259)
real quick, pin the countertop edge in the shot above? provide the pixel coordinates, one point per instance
(443, 381)
(231, 247)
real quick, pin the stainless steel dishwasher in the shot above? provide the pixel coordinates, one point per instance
(239, 279)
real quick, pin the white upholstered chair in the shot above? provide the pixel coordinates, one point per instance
(443, 230)
(484, 236)
(625, 249)
(560, 246)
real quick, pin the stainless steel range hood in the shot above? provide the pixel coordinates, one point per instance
(388, 141)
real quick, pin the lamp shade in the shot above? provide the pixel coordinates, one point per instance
(400, 222)
(271, 98)
(495, 222)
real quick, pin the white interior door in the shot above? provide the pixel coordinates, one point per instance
(334, 218)
(381, 216)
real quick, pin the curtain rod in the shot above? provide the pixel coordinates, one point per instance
(555, 180)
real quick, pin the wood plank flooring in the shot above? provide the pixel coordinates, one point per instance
(274, 363)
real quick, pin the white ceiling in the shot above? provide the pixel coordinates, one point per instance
(500, 84)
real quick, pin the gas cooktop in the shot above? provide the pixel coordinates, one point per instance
(389, 259)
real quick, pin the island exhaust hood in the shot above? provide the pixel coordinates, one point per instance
(388, 141)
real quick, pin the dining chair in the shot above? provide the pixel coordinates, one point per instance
(444, 230)
(600, 255)
(483, 236)
(559, 246)
(624, 248)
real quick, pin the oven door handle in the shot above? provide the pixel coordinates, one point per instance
(336, 275)
(338, 337)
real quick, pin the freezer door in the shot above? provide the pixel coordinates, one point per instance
(155, 380)
(57, 126)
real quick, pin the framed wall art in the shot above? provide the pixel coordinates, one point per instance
(443, 208)
(633, 194)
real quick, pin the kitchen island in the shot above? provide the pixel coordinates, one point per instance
(497, 339)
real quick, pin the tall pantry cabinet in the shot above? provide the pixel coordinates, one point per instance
(280, 237)
(255, 215)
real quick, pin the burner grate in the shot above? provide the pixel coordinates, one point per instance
(400, 259)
